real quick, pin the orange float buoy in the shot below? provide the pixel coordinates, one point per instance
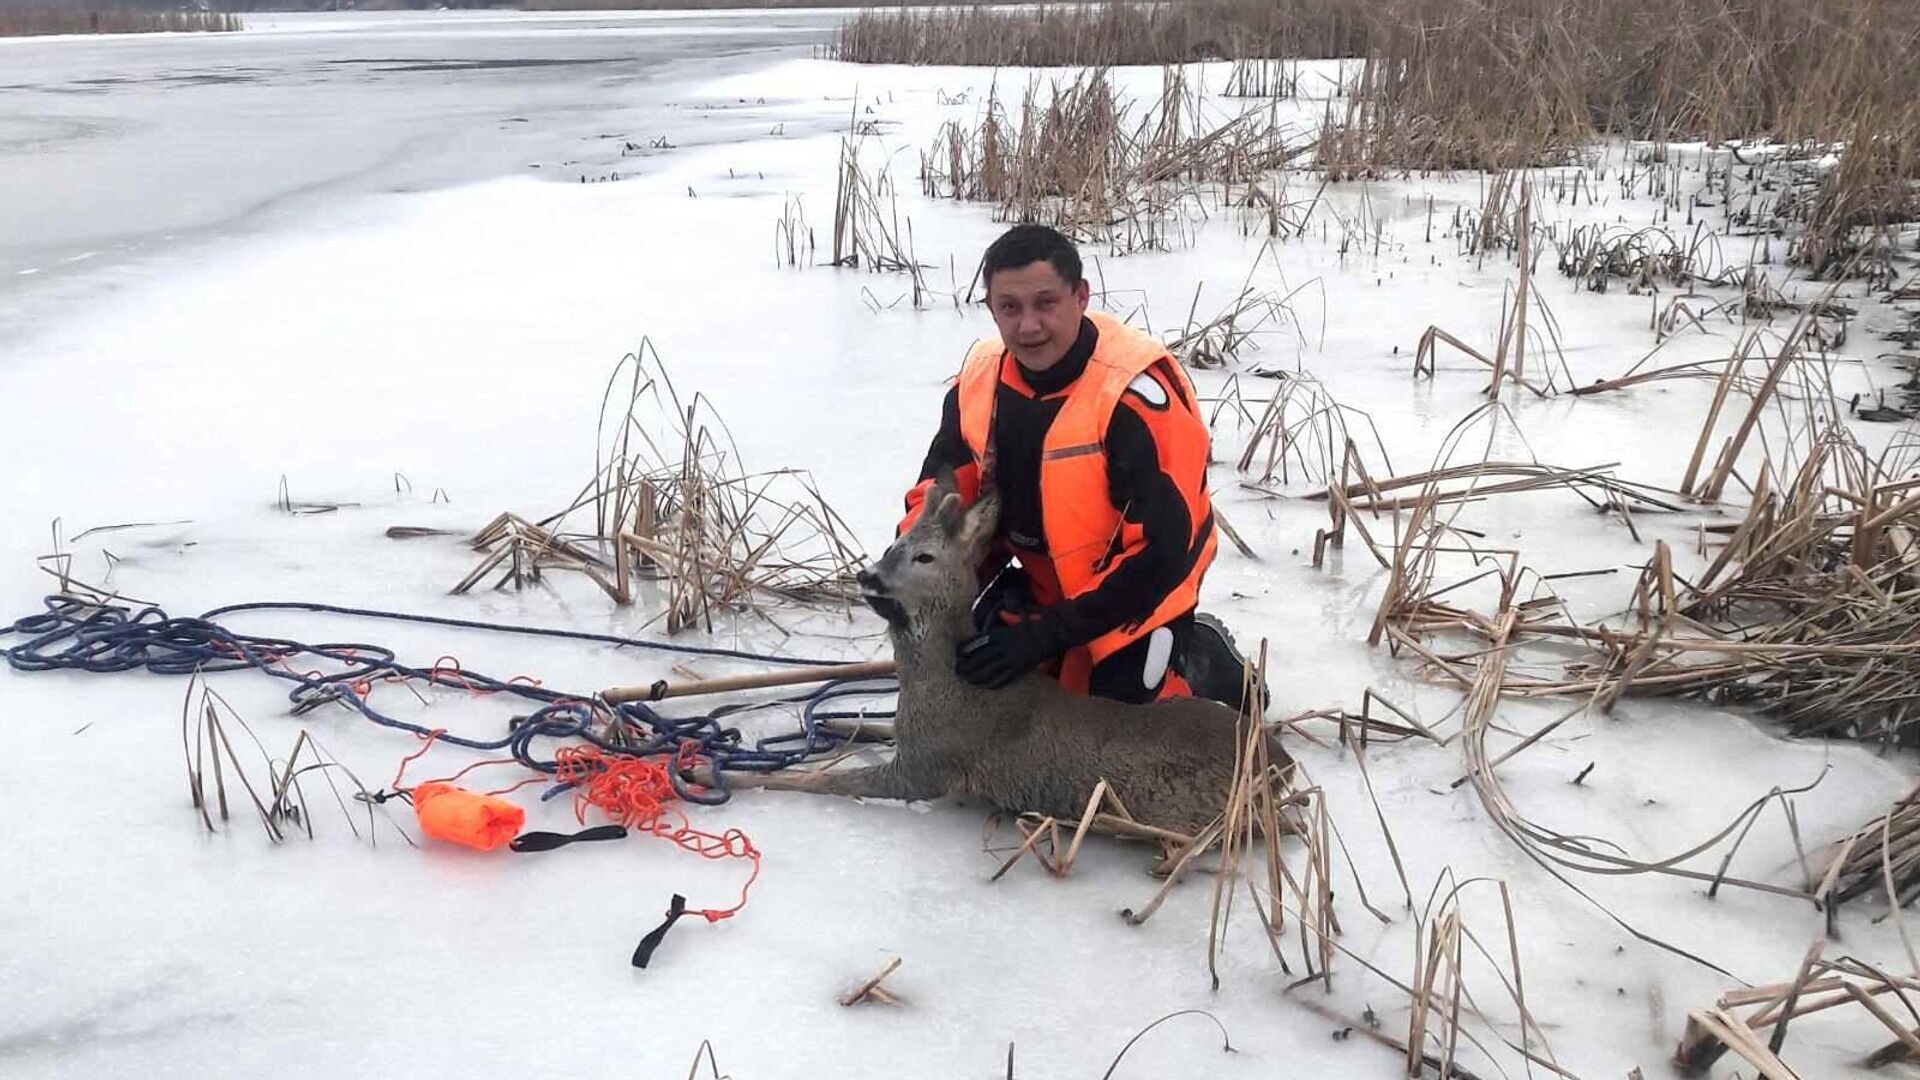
(459, 816)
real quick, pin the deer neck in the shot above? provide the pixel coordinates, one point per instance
(925, 647)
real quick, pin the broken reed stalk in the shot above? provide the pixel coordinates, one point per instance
(1032, 832)
(1510, 359)
(1882, 856)
(1182, 856)
(1065, 864)
(1428, 350)
(1304, 428)
(1787, 354)
(1105, 814)
(1819, 986)
(871, 988)
(1357, 746)
(1371, 493)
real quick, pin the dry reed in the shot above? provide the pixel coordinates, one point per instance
(1077, 156)
(1820, 985)
(868, 230)
(207, 726)
(30, 22)
(669, 501)
(1501, 84)
(1083, 33)
(1883, 856)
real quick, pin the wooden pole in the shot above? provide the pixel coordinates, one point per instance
(660, 691)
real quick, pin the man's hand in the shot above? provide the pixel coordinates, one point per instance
(1006, 652)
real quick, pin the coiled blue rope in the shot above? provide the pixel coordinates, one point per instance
(74, 634)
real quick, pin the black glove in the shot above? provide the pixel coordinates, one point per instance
(1006, 599)
(1006, 652)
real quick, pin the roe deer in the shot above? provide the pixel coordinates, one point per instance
(1032, 746)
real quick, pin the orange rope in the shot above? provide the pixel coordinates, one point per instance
(637, 793)
(634, 792)
(428, 745)
(449, 671)
(409, 759)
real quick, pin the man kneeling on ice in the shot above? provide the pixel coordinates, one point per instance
(1091, 434)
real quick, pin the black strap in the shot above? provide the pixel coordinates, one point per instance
(547, 841)
(659, 934)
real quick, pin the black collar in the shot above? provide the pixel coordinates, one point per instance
(1061, 375)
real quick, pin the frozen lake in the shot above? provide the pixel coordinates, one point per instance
(318, 259)
(113, 147)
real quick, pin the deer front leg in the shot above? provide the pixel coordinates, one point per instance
(882, 781)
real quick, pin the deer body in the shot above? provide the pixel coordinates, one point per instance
(1031, 746)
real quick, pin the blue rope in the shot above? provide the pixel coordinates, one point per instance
(79, 635)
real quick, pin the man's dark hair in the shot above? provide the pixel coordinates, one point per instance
(1024, 245)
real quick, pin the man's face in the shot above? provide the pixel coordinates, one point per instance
(1037, 312)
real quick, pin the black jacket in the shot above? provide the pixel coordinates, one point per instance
(1136, 484)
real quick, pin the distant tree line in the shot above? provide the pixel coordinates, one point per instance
(422, 5)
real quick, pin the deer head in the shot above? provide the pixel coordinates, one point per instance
(932, 570)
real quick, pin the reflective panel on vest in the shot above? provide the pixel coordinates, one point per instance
(1148, 389)
(1159, 656)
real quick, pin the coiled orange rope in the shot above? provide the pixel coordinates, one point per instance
(638, 793)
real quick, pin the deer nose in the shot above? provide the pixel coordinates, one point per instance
(869, 581)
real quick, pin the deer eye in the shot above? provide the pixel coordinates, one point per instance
(923, 557)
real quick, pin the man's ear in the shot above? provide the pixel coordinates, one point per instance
(1083, 294)
(976, 528)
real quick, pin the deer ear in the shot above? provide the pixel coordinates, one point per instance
(947, 512)
(980, 521)
(944, 483)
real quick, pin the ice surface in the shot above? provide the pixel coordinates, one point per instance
(462, 335)
(110, 147)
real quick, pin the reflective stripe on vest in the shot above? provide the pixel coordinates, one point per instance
(1084, 530)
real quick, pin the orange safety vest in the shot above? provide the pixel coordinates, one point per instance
(1085, 532)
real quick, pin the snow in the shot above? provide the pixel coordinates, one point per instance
(462, 336)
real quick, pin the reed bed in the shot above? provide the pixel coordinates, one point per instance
(709, 5)
(1806, 609)
(31, 22)
(1446, 85)
(1262, 77)
(1492, 73)
(1518, 642)
(670, 503)
(1085, 33)
(1077, 156)
(1643, 259)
